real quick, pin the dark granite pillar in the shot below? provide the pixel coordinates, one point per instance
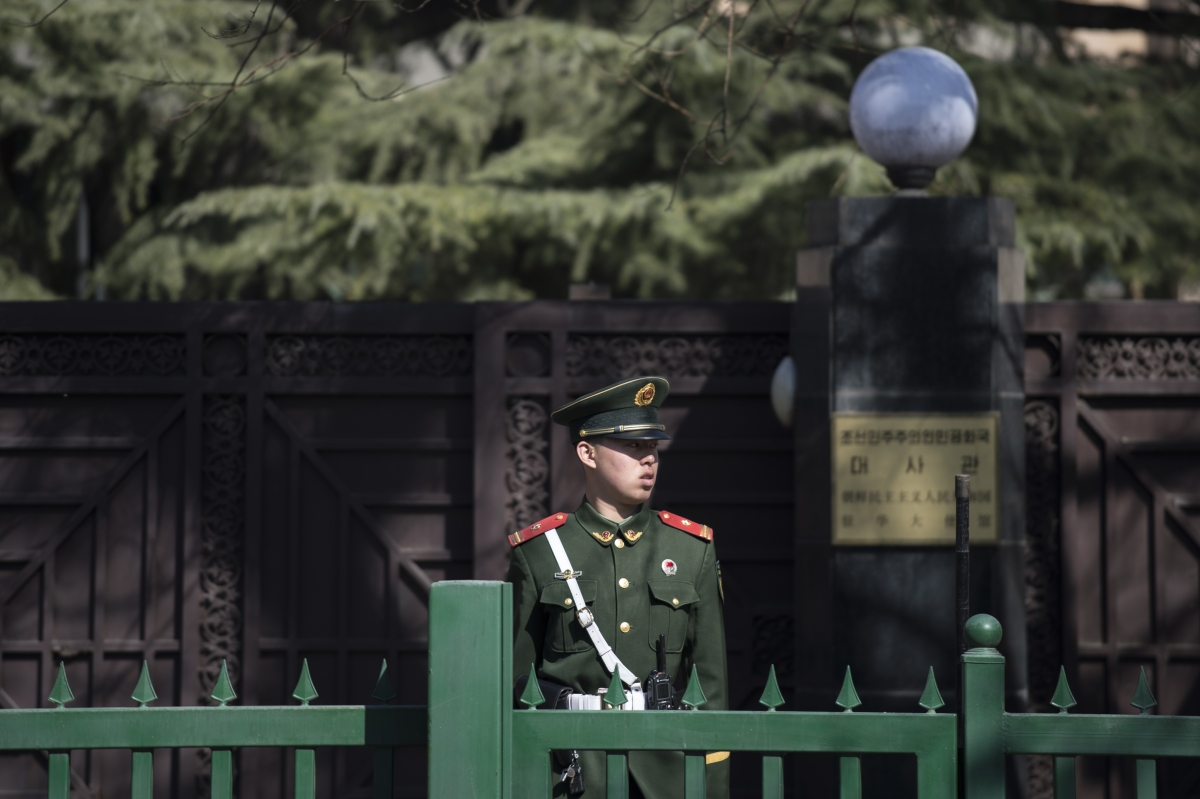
(904, 305)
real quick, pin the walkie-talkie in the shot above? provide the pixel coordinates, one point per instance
(659, 693)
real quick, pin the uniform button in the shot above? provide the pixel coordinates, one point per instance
(674, 602)
(623, 583)
(567, 602)
(624, 626)
(619, 544)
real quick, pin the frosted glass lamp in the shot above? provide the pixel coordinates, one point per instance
(913, 110)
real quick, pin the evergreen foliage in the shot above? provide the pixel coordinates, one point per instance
(577, 142)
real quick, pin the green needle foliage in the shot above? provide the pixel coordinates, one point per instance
(227, 150)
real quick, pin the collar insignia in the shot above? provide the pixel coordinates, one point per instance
(632, 536)
(604, 538)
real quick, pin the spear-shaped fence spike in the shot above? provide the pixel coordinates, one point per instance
(1143, 700)
(223, 691)
(771, 697)
(694, 696)
(384, 692)
(532, 696)
(61, 693)
(616, 691)
(1063, 699)
(931, 699)
(848, 698)
(143, 692)
(305, 690)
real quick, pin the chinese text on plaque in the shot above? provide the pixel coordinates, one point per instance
(893, 477)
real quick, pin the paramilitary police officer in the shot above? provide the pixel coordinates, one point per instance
(639, 573)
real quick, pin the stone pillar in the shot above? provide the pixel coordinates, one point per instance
(905, 304)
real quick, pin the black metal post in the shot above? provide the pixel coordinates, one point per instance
(962, 552)
(962, 596)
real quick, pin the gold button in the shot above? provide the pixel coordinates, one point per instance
(567, 601)
(674, 602)
(624, 626)
(619, 544)
(623, 583)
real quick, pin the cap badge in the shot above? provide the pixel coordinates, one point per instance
(644, 396)
(669, 568)
(604, 537)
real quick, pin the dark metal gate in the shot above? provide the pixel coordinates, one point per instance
(1113, 570)
(261, 483)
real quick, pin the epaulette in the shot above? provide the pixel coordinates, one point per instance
(537, 528)
(687, 525)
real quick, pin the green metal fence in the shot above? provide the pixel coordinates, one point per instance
(470, 691)
(222, 728)
(480, 747)
(989, 733)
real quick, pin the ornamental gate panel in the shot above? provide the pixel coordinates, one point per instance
(258, 484)
(1113, 509)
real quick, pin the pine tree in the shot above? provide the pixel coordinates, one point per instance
(612, 141)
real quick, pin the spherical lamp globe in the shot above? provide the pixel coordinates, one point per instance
(913, 110)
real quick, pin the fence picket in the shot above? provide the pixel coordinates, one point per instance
(851, 778)
(141, 782)
(222, 774)
(1147, 780)
(383, 778)
(60, 775)
(306, 774)
(1064, 778)
(772, 768)
(693, 787)
(617, 776)
(385, 756)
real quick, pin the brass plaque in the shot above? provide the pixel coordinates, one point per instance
(893, 477)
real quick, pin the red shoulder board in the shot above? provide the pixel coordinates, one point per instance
(687, 525)
(537, 528)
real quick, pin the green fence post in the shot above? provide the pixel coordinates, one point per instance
(470, 689)
(983, 710)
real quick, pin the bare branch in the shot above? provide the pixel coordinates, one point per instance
(237, 31)
(21, 24)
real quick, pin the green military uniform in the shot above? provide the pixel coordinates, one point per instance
(653, 573)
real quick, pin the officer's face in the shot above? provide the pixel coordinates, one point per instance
(626, 468)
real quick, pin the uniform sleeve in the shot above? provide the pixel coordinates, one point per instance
(706, 650)
(706, 638)
(529, 621)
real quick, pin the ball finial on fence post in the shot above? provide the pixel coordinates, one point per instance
(984, 631)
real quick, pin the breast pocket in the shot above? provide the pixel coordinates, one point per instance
(563, 633)
(671, 606)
